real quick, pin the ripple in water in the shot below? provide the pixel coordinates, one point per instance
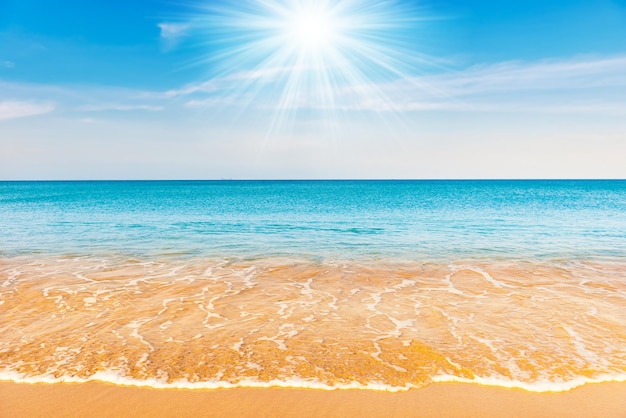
(293, 322)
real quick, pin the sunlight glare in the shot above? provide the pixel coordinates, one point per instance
(313, 30)
(329, 57)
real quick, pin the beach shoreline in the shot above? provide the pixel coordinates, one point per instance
(249, 299)
(96, 399)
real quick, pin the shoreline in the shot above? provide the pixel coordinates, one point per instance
(97, 399)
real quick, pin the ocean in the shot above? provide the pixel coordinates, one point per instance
(383, 285)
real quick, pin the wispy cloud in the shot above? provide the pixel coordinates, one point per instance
(172, 34)
(212, 102)
(173, 30)
(203, 87)
(577, 85)
(121, 107)
(231, 81)
(8, 64)
(584, 84)
(26, 98)
(20, 109)
(545, 75)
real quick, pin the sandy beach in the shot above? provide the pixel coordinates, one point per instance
(438, 400)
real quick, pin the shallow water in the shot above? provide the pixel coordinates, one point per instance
(414, 220)
(382, 285)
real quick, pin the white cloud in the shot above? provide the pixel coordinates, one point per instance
(211, 102)
(571, 86)
(264, 73)
(172, 33)
(583, 84)
(230, 81)
(544, 75)
(580, 85)
(204, 87)
(8, 64)
(121, 108)
(173, 30)
(20, 109)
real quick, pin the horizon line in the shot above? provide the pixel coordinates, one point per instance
(312, 179)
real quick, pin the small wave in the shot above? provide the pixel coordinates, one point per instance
(540, 386)
(296, 383)
(116, 379)
(218, 323)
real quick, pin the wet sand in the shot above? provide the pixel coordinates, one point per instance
(385, 323)
(438, 400)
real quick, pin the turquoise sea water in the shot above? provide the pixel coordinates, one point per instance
(414, 220)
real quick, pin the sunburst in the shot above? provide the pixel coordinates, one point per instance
(314, 55)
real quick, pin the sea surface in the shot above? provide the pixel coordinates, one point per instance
(384, 285)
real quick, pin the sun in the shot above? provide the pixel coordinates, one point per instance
(313, 30)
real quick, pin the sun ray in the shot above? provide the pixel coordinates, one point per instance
(324, 49)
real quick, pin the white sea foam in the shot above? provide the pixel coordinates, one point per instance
(538, 386)
(135, 326)
(296, 383)
(544, 336)
(11, 278)
(581, 349)
(114, 378)
(237, 345)
(488, 277)
(451, 288)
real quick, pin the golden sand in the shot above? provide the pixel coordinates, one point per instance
(606, 400)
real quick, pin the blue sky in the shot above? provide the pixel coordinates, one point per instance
(413, 89)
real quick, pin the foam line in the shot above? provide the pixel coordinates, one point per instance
(540, 386)
(116, 379)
